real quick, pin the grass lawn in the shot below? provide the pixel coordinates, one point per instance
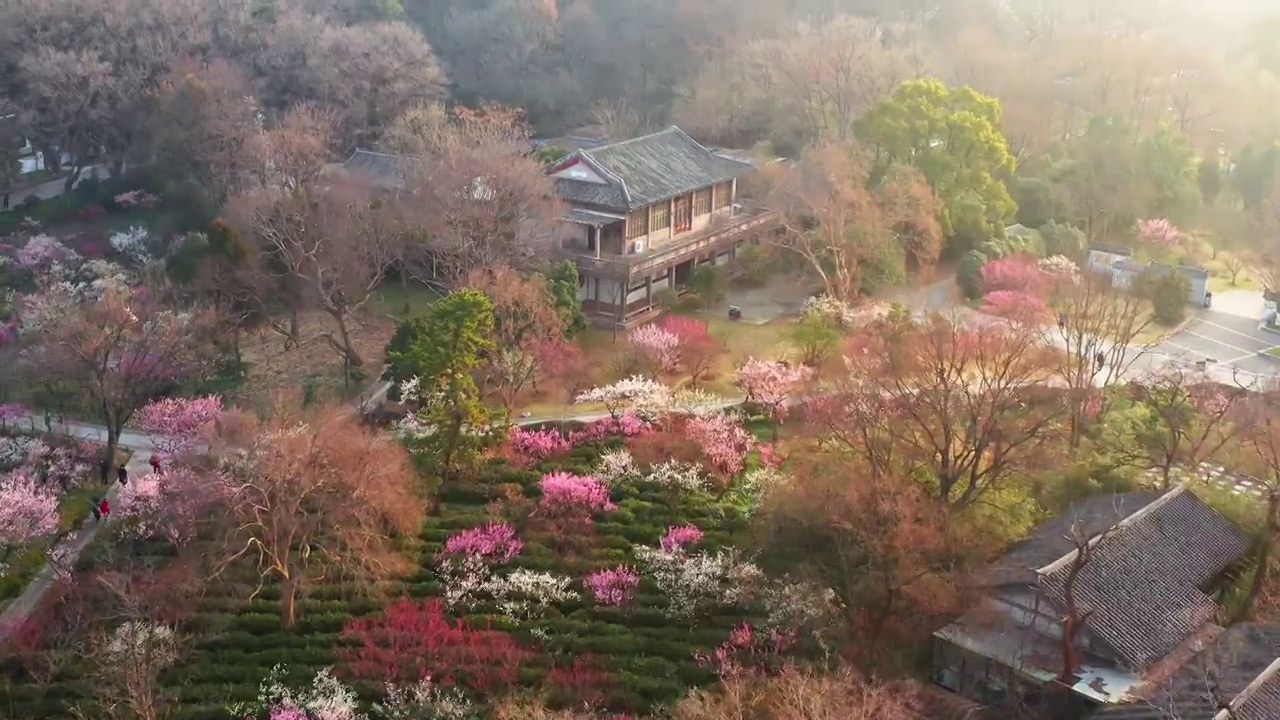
(1152, 333)
(1274, 352)
(1219, 284)
(390, 298)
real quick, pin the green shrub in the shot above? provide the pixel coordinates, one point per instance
(1168, 292)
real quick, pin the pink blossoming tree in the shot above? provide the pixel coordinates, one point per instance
(495, 543)
(657, 344)
(678, 536)
(1016, 273)
(28, 511)
(566, 494)
(771, 385)
(177, 426)
(172, 505)
(724, 442)
(614, 587)
(1159, 233)
(530, 446)
(1017, 306)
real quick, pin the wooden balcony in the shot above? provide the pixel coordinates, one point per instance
(721, 234)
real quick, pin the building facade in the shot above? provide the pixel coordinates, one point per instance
(643, 214)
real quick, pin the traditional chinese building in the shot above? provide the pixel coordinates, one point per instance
(644, 213)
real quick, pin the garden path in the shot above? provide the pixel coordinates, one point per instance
(69, 549)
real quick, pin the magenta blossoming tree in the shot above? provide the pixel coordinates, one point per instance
(530, 446)
(495, 543)
(724, 442)
(178, 425)
(614, 587)
(660, 345)
(566, 494)
(27, 511)
(678, 536)
(1017, 273)
(771, 385)
(1017, 306)
(1158, 233)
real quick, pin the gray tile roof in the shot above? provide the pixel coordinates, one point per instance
(1142, 583)
(1218, 675)
(649, 169)
(593, 218)
(589, 193)
(382, 169)
(1049, 540)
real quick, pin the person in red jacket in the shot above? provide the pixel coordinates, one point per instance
(104, 507)
(155, 464)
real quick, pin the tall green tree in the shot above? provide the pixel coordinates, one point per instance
(444, 350)
(953, 136)
(1254, 175)
(563, 280)
(1167, 166)
(1100, 173)
(1209, 177)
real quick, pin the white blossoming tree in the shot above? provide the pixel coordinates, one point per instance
(640, 394)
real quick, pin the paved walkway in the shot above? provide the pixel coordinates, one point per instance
(54, 188)
(68, 550)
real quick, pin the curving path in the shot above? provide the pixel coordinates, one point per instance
(74, 543)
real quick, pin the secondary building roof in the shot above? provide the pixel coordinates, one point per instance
(636, 173)
(1142, 584)
(384, 170)
(1142, 591)
(1240, 671)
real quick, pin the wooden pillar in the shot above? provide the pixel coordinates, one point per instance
(648, 290)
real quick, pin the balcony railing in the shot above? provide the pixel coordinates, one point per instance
(720, 230)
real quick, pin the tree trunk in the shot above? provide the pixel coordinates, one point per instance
(113, 441)
(404, 290)
(1263, 570)
(344, 334)
(288, 603)
(52, 160)
(69, 183)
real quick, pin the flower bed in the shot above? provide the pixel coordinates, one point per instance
(645, 590)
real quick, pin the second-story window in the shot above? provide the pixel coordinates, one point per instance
(661, 217)
(638, 224)
(702, 202)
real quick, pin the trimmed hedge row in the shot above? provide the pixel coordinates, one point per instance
(649, 655)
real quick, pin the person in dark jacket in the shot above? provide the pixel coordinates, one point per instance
(94, 504)
(103, 469)
(122, 475)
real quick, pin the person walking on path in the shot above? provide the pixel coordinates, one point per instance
(155, 464)
(104, 508)
(94, 505)
(103, 469)
(122, 475)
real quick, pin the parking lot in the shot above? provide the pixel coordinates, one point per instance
(1226, 342)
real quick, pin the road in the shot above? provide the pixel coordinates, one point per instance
(54, 188)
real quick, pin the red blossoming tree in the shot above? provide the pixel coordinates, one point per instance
(413, 640)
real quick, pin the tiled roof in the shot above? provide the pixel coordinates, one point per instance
(1141, 586)
(1221, 674)
(1111, 249)
(590, 193)
(648, 169)
(1050, 539)
(382, 169)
